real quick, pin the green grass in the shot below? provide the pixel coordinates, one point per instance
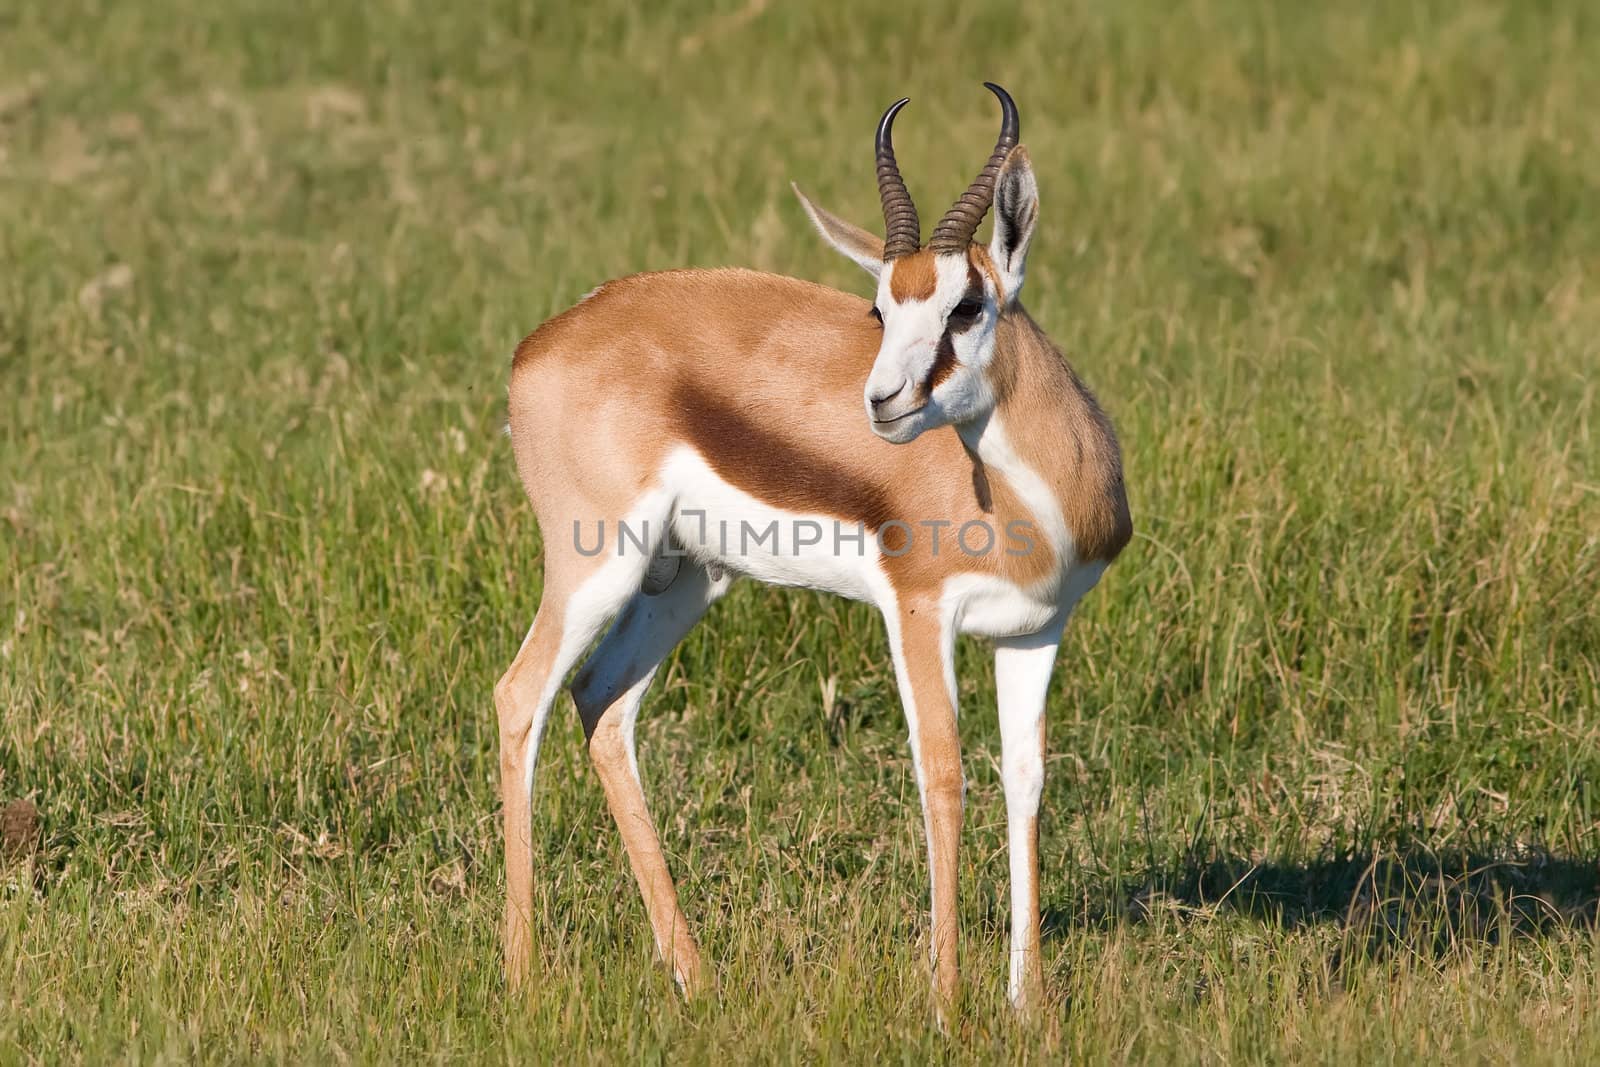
(1325, 742)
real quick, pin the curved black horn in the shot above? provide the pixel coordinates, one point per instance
(955, 230)
(902, 230)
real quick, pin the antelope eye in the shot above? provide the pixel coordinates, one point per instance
(967, 309)
(876, 314)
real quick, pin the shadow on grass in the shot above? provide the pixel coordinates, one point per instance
(1402, 897)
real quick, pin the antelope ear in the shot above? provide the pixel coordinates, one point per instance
(1016, 212)
(860, 245)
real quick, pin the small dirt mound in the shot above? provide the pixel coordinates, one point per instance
(19, 830)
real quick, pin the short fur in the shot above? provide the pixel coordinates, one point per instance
(941, 406)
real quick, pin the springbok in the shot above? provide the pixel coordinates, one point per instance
(669, 419)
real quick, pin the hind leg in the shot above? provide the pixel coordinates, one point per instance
(608, 691)
(522, 701)
(580, 596)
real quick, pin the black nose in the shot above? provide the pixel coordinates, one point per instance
(877, 402)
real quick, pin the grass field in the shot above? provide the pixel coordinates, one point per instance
(1325, 742)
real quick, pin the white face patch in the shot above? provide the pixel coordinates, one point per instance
(935, 349)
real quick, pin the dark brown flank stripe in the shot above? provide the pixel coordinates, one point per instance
(780, 471)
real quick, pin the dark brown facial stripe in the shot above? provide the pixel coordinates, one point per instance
(944, 363)
(780, 471)
(944, 357)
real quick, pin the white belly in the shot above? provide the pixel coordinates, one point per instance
(717, 523)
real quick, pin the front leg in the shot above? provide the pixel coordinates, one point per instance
(1022, 667)
(922, 639)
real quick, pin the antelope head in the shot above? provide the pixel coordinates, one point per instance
(939, 304)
